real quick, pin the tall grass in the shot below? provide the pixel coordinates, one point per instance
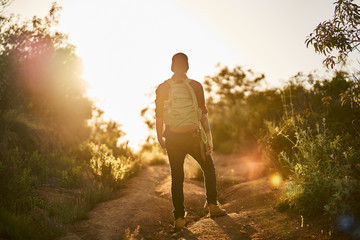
(111, 170)
(74, 181)
(71, 189)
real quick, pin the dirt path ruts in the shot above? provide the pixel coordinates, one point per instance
(137, 205)
(244, 192)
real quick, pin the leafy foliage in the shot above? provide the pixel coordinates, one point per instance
(304, 131)
(323, 169)
(316, 151)
(238, 120)
(233, 120)
(340, 36)
(46, 138)
(4, 3)
(231, 85)
(148, 116)
(40, 77)
(340, 33)
(109, 133)
(109, 169)
(341, 180)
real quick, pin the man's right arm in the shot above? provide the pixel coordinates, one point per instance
(159, 109)
(159, 131)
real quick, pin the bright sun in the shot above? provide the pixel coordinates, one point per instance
(126, 47)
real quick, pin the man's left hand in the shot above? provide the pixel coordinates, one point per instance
(209, 148)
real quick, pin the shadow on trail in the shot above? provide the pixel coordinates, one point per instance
(226, 227)
(232, 229)
(187, 234)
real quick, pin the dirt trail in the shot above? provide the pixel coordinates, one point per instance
(244, 192)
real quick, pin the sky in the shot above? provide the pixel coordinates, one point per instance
(126, 45)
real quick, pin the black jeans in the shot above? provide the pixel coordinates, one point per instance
(178, 145)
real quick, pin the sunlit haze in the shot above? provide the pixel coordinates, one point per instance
(126, 46)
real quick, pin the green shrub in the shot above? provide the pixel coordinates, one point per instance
(109, 169)
(71, 178)
(33, 225)
(323, 169)
(67, 210)
(17, 182)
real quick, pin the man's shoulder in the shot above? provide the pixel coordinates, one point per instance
(164, 86)
(194, 82)
(196, 85)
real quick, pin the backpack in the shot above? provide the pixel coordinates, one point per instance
(181, 108)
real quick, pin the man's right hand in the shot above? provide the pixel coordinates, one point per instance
(162, 142)
(159, 131)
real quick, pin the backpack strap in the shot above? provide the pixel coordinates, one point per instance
(196, 107)
(170, 82)
(193, 95)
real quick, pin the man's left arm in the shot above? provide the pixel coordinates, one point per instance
(206, 126)
(204, 118)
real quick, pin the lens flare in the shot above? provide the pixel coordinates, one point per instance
(275, 179)
(345, 222)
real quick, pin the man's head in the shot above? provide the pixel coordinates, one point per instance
(179, 63)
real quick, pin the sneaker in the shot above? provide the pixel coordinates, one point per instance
(216, 211)
(179, 224)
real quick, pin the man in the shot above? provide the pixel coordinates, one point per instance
(180, 105)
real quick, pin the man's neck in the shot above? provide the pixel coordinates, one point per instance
(179, 77)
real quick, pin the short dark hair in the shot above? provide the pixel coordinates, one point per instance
(179, 63)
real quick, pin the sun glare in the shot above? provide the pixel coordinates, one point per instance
(127, 48)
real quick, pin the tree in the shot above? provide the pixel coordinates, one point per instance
(109, 133)
(4, 3)
(339, 36)
(231, 85)
(233, 120)
(40, 79)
